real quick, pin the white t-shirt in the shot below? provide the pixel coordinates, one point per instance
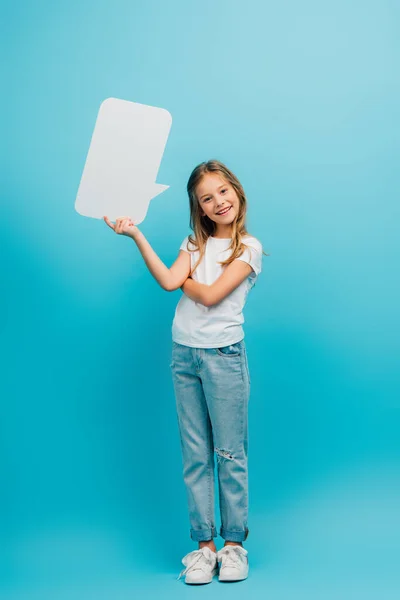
(219, 325)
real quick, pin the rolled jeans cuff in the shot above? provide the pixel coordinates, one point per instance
(234, 536)
(200, 535)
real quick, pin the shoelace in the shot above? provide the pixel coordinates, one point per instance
(230, 556)
(193, 558)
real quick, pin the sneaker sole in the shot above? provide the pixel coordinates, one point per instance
(215, 572)
(232, 578)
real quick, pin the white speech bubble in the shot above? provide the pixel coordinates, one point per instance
(123, 160)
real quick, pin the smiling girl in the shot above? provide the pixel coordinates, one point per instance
(216, 267)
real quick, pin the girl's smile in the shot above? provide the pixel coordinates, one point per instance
(224, 211)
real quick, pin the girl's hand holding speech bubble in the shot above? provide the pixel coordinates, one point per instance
(123, 226)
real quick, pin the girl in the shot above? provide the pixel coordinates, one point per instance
(215, 269)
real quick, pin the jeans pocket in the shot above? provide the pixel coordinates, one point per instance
(172, 356)
(231, 350)
(247, 367)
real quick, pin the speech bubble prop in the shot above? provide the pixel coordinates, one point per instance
(123, 160)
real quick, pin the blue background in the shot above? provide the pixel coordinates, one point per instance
(301, 101)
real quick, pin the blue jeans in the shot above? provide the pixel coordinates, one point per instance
(212, 390)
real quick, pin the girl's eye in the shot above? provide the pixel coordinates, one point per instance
(207, 199)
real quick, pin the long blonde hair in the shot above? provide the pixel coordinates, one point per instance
(203, 226)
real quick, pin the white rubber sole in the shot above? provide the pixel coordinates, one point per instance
(232, 577)
(202, 581)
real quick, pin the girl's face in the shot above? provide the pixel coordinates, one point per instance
(217, 198)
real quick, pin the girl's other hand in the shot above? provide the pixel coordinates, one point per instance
(123, 226)
(184, 283)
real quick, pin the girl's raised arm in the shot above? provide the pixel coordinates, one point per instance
(169, 279)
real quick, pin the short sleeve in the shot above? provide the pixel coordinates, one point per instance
(252, 255)
(184, 245)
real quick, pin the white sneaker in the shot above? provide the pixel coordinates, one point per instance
(234, 563)
(201, 566)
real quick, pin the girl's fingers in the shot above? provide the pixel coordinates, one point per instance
(107, 220)
(120, 223)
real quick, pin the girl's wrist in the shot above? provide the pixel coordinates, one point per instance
(136, 234)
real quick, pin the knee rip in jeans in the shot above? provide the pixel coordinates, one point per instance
(221, 454)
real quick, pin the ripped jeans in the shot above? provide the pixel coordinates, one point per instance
(212, 389)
